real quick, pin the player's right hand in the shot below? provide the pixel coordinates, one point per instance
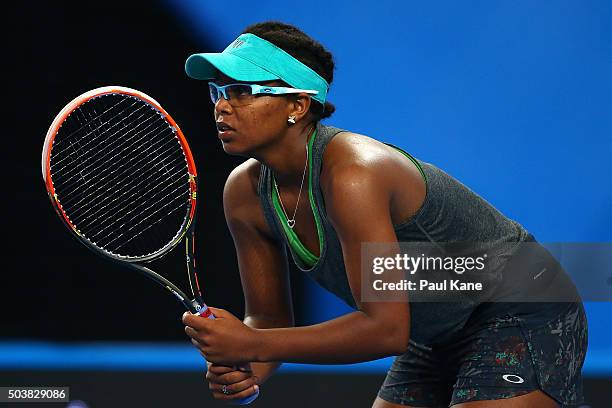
(239, 383)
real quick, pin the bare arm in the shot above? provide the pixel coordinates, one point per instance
(357, 204)
(262, 260)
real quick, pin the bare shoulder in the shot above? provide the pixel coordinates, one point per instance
(352, 148)
(241, 184)
(241, 202)
(356, 165)
(358, 155)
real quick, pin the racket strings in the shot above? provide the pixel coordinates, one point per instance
(81, 173)
(150, 224)
(107, 109)
(88, 141)
(71, 183)
(117, 145)
(126, 190)
(110, 177)
(118, 196)
(59, 172)
(121, 176)
(119, 223)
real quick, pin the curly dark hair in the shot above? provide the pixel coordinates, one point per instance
(303, 48)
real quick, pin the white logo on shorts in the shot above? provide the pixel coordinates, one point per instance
(513, 378)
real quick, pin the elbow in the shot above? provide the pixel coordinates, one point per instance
(398, 337)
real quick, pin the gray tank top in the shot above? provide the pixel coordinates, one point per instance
(451, 212)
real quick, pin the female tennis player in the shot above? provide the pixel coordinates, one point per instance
(319, 192)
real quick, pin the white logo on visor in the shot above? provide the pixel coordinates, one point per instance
(513, 378)
(237, 43)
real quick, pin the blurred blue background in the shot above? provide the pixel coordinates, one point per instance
(512, 98)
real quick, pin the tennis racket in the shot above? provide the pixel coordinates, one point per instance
(121, 176)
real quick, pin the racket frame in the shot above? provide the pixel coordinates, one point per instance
(195, 304)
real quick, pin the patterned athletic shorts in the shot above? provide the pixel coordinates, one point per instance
(502, 358)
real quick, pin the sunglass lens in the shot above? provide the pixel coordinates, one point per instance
(214, 93)
(238, 90)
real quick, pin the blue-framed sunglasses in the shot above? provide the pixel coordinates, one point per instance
(239, 93)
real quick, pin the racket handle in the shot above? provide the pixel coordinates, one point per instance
(207, 313)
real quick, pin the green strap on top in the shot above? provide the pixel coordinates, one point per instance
(305, 256)
(308, 258)
(416, 163)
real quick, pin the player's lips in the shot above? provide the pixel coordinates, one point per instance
(223, 127)
(224, 130)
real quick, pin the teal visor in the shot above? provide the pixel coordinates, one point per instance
(252, 59)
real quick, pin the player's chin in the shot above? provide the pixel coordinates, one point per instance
(233, 147)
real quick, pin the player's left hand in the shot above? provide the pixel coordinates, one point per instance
(224, 340)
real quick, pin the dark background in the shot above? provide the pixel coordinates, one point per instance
(55, 54)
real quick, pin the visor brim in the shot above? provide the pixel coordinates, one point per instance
(205, 66)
